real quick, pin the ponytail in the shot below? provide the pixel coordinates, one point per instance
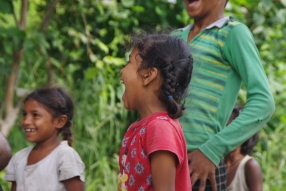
(174, 109)
(67, 133)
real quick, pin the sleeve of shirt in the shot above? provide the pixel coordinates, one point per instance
(241, 52)
(10, 171)
(162, 136)
(70, 165)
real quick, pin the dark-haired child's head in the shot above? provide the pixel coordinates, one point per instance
(57, 103)
(247, 147)
(172, 58)
(235, 113)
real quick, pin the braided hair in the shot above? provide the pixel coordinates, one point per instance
(172, 57)
(58, 103)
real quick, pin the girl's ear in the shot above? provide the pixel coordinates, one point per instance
(149, 75)
(61, 121)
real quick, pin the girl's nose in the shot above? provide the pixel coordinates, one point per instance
(26, 121)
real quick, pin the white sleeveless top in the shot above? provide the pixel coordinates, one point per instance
(238, 183)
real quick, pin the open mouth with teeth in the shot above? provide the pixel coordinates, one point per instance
(121, 81)
(29, 130)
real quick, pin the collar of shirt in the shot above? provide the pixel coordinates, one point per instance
(219, 23)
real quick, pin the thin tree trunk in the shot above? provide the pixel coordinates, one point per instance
(12, 109)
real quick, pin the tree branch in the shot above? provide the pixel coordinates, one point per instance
(11, 111)
(23, 14)
(51, 75)
(47, 17)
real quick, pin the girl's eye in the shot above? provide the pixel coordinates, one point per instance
(36, 115)
(24, 114)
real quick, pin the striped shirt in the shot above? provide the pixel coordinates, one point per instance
(224, 55)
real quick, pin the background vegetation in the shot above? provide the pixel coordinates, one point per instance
(79, 45)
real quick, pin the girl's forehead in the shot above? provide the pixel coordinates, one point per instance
(31, 103)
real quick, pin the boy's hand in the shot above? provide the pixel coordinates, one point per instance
(201, 168)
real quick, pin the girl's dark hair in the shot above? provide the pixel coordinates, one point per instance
(58, 103)
(172, 57)
(247, 146)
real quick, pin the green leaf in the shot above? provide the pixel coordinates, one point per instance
(127, 3)
(91, 73)
(4, 70)
(29, 44)
(258, 29)
(99, 64)
(12, 32)
(93, 58)
(7, 46)
(101, 45)
(83, 38)
(103, 32)
(55, 62)
(267, 4)
(6, 6)
(138, 9)
(115, 61)
(281, 16)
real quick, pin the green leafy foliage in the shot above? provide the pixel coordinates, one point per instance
(6, 7)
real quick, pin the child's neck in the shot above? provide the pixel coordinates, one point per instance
(200, 24)
(47, 145)
(151, 106)
(149, 111)
(233, 158)
(41, 150)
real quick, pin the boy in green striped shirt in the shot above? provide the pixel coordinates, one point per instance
(224, 55)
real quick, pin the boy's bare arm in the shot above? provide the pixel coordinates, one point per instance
(5, 152)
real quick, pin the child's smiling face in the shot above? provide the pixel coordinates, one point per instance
(38, 124)
(132, 81)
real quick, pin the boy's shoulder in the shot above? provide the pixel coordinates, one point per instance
(226, 23)
(231, 23)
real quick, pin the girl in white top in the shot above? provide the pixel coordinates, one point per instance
(244, 173)
(51, 165)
